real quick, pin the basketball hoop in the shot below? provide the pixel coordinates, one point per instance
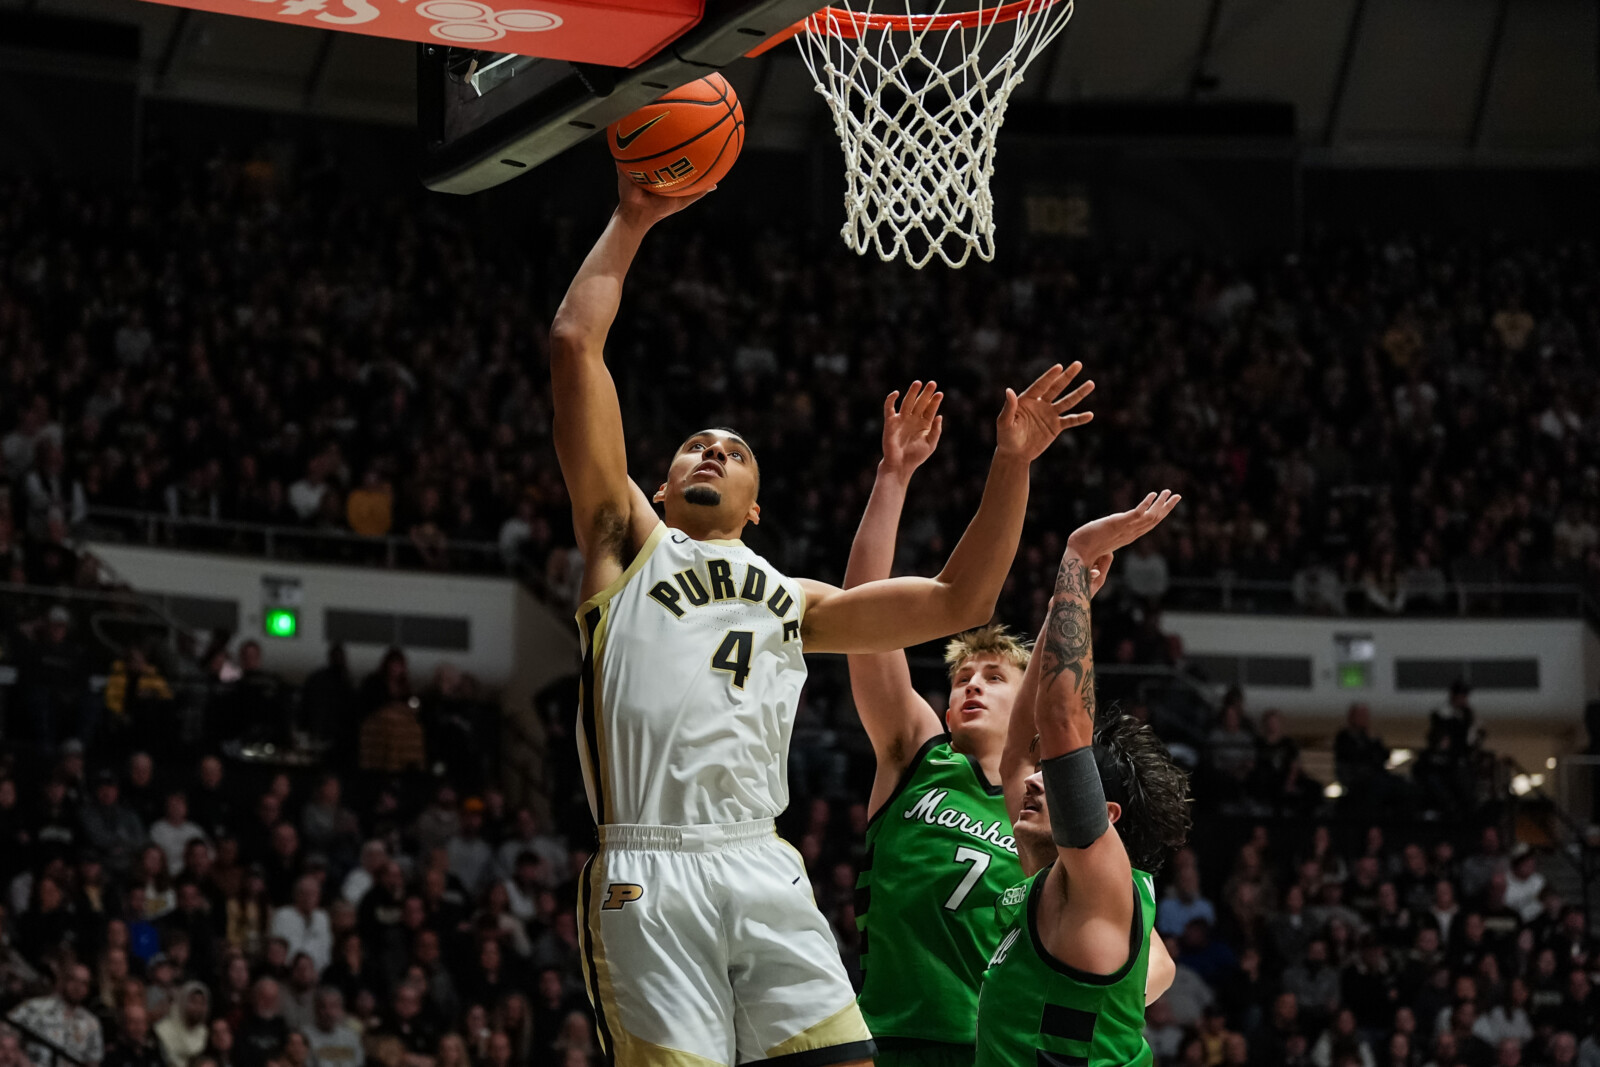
(917, 100)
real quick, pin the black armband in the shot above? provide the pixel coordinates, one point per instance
(1076, 798)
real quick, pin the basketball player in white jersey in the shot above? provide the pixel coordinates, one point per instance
(702, 943)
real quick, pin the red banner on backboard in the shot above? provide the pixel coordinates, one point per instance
(611, 32)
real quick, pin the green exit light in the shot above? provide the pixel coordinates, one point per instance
(1353, 675)
(280, 622)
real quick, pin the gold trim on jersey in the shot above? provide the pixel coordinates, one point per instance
(601, 631)
(584, 911)
(843, 1027)
(639, 560)
(624, 1049)
(593, 627)
(642, 1053)
(597, 975)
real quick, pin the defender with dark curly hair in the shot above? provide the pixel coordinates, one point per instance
(1095, 808)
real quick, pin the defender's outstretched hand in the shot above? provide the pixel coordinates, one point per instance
(912, 433)
(1096, 541)
(1028, 423)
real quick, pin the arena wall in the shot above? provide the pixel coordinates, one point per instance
(1529, 670)
(489, 627)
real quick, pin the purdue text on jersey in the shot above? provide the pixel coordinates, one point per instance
(692, 670)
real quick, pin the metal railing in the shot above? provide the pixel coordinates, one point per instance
(1228, 593)
(1568, 830)
(33, 1037)
(101, 612)
(1182, 705)
(1224, 592)
(309, 544)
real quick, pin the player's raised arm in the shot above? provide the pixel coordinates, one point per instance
(1096, 914)
(896, 718)
(1020, 757)
(899, 612)
(610, 515)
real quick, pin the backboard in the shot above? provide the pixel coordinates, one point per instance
(487, 114)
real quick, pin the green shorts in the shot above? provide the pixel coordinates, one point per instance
(901, 1053)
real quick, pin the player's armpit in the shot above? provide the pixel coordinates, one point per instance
(893, 713)
(1087, 914)
(885, 615)
(1161, 973)
(611, 516)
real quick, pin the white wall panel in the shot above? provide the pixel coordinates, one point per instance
(1565, 649)
(496, 655)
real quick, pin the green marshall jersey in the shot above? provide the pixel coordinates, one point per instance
(939, 854)
(1035, 1010)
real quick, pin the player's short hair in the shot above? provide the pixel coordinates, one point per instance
(1139, 774)
(992, 640)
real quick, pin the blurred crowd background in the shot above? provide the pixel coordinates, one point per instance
(1381, 424)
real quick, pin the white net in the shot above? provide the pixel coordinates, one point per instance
(918, 98)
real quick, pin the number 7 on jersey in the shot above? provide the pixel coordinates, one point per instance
(980, 863)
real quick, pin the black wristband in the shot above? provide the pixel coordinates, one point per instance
(1076, 798)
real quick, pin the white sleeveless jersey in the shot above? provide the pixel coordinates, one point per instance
(692, 671)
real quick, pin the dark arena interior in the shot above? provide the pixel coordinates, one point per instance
(292, 749)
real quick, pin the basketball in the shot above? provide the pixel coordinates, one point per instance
(683, 143)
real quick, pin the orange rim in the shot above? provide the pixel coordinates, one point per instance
(842, 22)
(846, 23)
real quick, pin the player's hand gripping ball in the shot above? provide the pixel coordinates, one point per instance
(683, 143)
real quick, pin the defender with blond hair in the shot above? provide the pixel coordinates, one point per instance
(940, 848)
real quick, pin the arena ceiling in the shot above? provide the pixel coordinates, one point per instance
(1430, 82)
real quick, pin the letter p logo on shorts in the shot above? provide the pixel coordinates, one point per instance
(620, 893)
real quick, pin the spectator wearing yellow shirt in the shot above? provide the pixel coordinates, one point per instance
(1514, 325)
(370, 508)
(136, 696)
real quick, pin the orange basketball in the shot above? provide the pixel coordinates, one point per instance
(683, 143)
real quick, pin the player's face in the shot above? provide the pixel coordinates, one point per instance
(1032, 826)
(981, 695)
(713, 478)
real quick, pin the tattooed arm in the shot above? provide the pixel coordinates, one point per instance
(1065, 650)
(1064, 704)
(1064, 701)
(1085, 920)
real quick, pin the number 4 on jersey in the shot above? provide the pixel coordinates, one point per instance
(733, 655)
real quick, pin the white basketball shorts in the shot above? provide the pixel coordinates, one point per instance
(702, 945)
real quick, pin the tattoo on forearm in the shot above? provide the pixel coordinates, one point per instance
(1067, 643)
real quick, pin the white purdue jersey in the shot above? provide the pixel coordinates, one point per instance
(691, 674)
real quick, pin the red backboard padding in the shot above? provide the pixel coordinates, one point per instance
(612, 32)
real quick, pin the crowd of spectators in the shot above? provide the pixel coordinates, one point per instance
(1355, 946)
(177, 909)
(1244, 768)
(1370, 421)
(1400, 925)
(1370, 424)
(173, 902)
